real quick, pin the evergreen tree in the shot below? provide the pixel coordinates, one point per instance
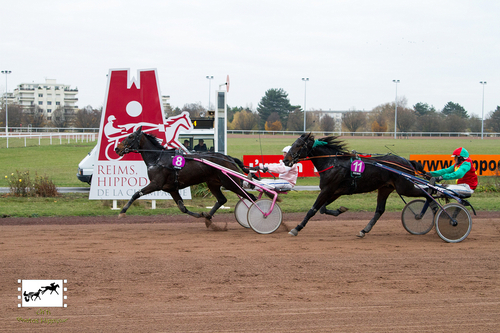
(456, 109)
(423, 108)
(275, 100)
(493, 123)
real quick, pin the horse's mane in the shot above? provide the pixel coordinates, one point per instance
(154, 140)
(331, 144)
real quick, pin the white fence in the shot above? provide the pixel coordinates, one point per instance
(30, 136)
(17, 139)
(370, 134)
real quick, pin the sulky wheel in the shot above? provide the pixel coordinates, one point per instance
(413, 221)
(264, 224)
(456, 229)
(241, 212)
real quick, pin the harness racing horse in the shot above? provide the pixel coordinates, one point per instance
(333, 162)
(164, 176)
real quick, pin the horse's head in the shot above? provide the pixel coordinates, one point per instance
(130, 143)
(300, 148)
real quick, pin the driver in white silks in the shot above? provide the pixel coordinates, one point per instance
(287, 175)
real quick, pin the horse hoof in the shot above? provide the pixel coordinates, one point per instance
(343, 209)
(293, 232)
(361, 234)
(122, 215)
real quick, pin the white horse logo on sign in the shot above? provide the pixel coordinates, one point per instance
(171, 127)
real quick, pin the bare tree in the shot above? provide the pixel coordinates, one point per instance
(378, 118)
(432, 122)
(14, 117)
(455, 123)
(352, 120)
(195, 110)
(474, 123)
(327, 124)
(295, 120)
(59, 119)
(87, 118)
(313, 120)
(34, 116)
(406, 119)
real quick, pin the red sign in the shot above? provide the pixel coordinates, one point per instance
(132, 103)
(306, 168)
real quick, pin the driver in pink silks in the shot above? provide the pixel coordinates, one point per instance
(287, 175)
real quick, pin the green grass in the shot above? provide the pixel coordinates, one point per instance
(60, 163)
(75, 204)
(272, 145)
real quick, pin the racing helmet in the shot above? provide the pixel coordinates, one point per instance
(460, 152)
(286, 149)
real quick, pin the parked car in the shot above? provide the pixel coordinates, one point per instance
(86, 166)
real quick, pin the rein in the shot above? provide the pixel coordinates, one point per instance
(402, 166)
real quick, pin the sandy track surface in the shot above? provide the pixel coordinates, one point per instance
(153, 274)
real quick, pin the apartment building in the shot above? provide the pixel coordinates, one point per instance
(48, 96)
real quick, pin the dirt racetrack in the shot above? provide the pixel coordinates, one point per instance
(171, 274)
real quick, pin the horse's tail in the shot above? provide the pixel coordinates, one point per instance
(244, 168)
(241, 165)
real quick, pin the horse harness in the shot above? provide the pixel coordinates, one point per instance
(354, 176)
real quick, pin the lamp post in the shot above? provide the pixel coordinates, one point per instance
(482, 117)
(396, 110)
(305, 79)
(209, 77)
(6, 108)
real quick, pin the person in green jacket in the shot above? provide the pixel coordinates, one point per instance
(462, 170)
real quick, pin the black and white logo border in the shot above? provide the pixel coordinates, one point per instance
(42, 293)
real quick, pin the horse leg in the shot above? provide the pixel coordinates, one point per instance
(320, 201)
(383, 194)
(180, 204)
(336, 212)
(221, 200)
(146, 190)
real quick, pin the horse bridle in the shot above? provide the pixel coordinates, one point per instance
(135, 141)
(296, 155)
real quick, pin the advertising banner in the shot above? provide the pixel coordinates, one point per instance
(129, 104)
(485, 165)
(306, 168)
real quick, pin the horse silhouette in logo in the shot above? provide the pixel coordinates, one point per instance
(29, 296)
(53, 286)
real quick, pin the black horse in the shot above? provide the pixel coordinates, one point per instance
(53, 287)
(333, 162)
(164, 176)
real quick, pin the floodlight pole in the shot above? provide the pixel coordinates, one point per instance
(209, 77)
(305, 79)
(396, 111)
(6, 108)
(482, 117)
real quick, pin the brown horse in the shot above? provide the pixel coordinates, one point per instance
(164, 176)
(334, 163)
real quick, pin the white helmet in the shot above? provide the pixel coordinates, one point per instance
(286, 149)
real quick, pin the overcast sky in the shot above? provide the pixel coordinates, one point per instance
(350, 50)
